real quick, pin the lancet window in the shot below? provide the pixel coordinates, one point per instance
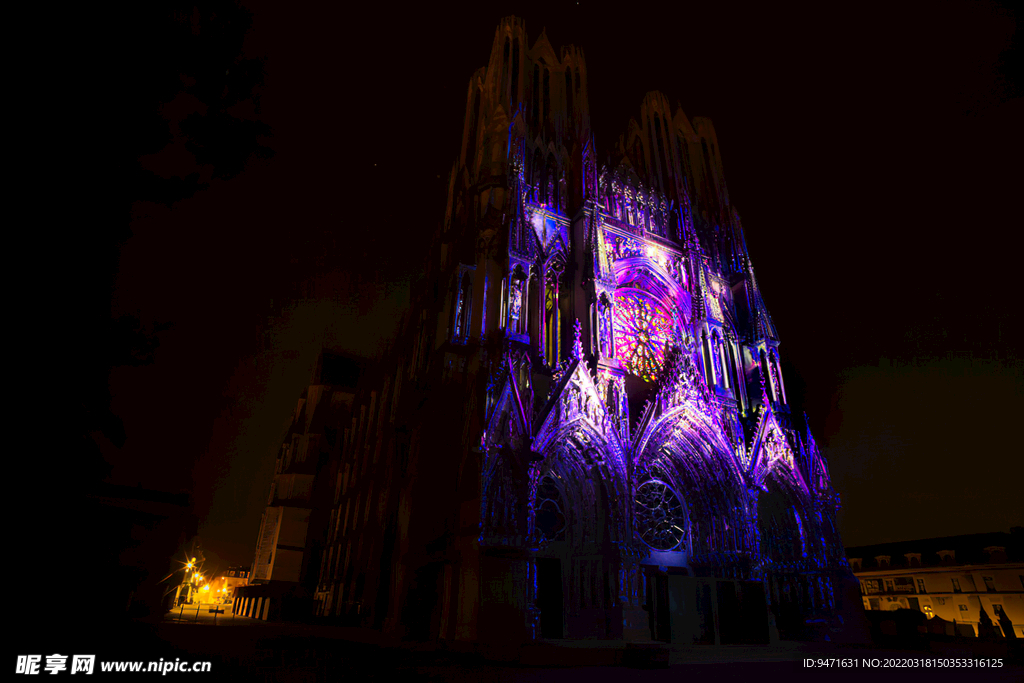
(736, 372)
(463, 309)
(550, 190)
(568, 93)
(724, 362)
(515, 73)
(780, 389)
(603, 327)
(536, 94)
(547, 93)
(471, 147)
(716, 358)
(766, 376)
(504, 65)
(552, 318)
(709, 373)
(537, 175)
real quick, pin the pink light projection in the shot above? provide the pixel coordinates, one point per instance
(643, 330)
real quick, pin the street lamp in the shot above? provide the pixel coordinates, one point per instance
(191, 579)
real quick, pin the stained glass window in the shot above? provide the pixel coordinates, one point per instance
(642, 332)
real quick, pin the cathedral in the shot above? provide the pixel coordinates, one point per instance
(583, 430)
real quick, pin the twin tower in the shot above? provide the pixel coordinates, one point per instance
(583, 431)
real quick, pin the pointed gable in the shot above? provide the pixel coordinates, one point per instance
(574, 397)
(509, 420)
(771, 448)
(542, 50)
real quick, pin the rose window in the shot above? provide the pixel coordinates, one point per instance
(660, 516)
(643, 329)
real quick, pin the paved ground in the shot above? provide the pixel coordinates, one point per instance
(296, 652)
(200, 613)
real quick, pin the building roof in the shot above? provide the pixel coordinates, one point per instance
(966, 549)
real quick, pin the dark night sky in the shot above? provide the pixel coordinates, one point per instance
(872, 152)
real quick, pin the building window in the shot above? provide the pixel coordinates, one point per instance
(709, 373)
(552, 330)
(568, 93)
(875, 603)
(928, 612)
(990, 585)
(996, 554)
(515, 73)
(460, 326)
(920, 586)
(536, 97)
(997, 609)
(963, 608)
(904, 584)
(956, 586)
(889, 588)
(547, 93)
(770, 390)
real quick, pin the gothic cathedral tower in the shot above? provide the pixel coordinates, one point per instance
(592, 364)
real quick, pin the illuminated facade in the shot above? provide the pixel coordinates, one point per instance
(222, 588)
(974, 584)
(585, 432)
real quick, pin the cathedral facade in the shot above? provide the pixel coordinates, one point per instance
(583, 431)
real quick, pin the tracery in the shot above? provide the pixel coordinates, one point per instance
(643, 331)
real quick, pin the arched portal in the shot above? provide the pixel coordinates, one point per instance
(577, 511)
(787, 531)
(685, 450)
(703, 588)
